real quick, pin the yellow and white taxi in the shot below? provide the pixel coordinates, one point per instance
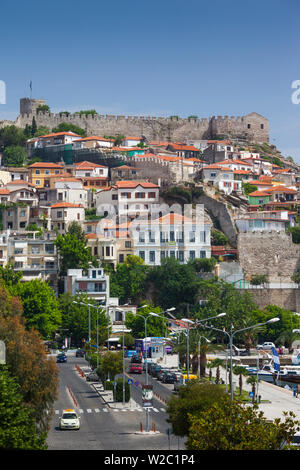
(69, 419)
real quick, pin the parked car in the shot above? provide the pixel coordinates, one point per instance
(161, 374)
(61, 358)
(92, 377)
(149, 362)
(155, 371)
(69, 420)
(136, 359)
(80, 353)
(265, 345)
(151, 367)
(169, 378)
(136, 368)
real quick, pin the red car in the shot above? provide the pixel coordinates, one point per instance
(136, 368)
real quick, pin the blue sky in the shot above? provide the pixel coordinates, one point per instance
(158, 58)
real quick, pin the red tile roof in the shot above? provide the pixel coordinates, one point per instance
(45, 165)
(65, 204)
(134, 184)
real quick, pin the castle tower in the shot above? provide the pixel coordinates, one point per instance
(30, 105)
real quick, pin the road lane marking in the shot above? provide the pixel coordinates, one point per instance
(89, 410)
(81, 411)
(97, 410)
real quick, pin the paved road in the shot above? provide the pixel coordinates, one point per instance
(103, 428)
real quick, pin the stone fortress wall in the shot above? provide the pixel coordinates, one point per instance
(253, 126)
(268, 252)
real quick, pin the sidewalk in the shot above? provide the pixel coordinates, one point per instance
(275, 399)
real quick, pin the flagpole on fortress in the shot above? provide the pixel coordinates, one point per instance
(30, 86)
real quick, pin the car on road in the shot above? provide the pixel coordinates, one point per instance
(80, 353)
(136, 359)
(155, 371)
(92, 377)
(184, 380)
(266, 345)
(147, 361)
(161, 374)
(135, 368)
(169, 378)
(61, 358)
(69, 419)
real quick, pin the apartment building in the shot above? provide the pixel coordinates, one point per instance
(56, 138)
(40, 173)
(129, 198)
(172, 235)
(95, 283)
(63, 213)
(65, 190)
(34, 254)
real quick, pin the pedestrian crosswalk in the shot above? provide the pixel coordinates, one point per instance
(114, 410)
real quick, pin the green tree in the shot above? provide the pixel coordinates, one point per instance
(205, 265)
(11, 136)
(42, 108)
(241, 372)
(75, 318)
(192, 400)
(128, 281)
(225, 426)
(33, 126)
(248, 188)
(14, 155)
(17, 429)
(218, 238)
(175, 284)
(9, 276)
(111, 364)
(66, 127)
(155, 325)
(73, 251)
(40, 306)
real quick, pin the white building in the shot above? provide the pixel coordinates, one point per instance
(95, 283)
(88, 169)
(221, 177)
(56, 138)
(277, 220)
(129, 198)
(172, 235)
(93, 142)
(63, 213)
(131, 141)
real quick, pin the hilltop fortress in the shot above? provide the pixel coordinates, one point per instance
(251, 127)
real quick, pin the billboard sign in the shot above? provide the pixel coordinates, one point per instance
(147, 396)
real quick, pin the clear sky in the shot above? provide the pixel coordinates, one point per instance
(157, 58)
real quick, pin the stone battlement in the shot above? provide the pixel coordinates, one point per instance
(253, 126)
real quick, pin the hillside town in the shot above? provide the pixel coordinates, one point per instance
(134, 196)
(116, 249)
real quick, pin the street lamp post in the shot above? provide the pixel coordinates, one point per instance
(231, 335)
(187, 320)
(86, 305)
(199, 344)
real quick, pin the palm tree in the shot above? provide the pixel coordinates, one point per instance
(252, 380)
(217, 363)
(287, 338)
(240, 371)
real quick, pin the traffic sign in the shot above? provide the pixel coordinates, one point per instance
(130, 381)
(136, 383)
